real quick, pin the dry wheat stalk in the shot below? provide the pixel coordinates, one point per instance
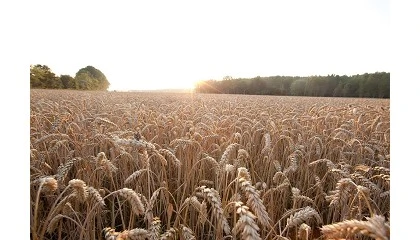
(206, 183)
(142, 144)
(342, 192)
(133, 234)
(200, 207)
(155, 228)
(161, 158)
(328, 163)
(47, 184)
(229, 168)
(137, 234)
(49, 137)
(79, 188)
(100, 120)
(103, 162)
(302, 216)
(293, 163)
(134, 199)
(304, 231)
(362, 167)
(254, 200)
(358, 178)
(61, 205)
(227, 154)
(213, 163)
(168, 154)
(63, 169)
(374, 227)
(53, 223)
(95, 195)
(246, 223)
(153, 198)
(277, 176)
(187, 233)
(170, 234)
(134, 175)
(267, 144)
(212, 197)
(237, 138)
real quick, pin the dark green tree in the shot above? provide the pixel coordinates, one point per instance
(90, 78)
(297, 88)
(41, 76)
(384, 85)
(68, 82)
(372, 85)
(257, 86)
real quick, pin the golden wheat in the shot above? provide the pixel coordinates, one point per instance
(162, 166)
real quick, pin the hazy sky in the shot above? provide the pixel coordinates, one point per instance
(172, 44)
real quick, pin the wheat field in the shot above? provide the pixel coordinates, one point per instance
(113, 165)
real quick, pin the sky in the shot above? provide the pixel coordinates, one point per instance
(142, 45)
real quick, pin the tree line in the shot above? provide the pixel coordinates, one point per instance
(87, 78)
(368, 85)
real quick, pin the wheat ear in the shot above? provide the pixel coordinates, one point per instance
(301, 217)
(246, 223)
(79, 188)
(374, 227)
(187, 233)
(134, 200)
(155, 228)
(212, 196)
(169, 234)
(304, 231)
(254, 200)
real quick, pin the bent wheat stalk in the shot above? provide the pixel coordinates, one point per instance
(374, 227)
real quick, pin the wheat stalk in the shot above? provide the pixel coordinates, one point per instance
(212, 197)
(170, 234)
(302, 216)
(134, 175)
(254, 200)
(95, 195)
(246, 223)
(187, 233)
(374, 227)
(134, 199)
(155, 228)
(304, 231)
(79, 188)
(342, 192)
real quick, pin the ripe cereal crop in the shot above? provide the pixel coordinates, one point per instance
(138, 165)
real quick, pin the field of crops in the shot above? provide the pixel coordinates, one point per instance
(112, 165)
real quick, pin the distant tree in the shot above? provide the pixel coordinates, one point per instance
(90, 78)
(312, 87)
(332, 82)
(297, 88)
(362, 80)
(67, 81)
(41, 76)
(257, 85)
(352, 87)
(242, 86)
(84, 81)
(384, 85)
(367, 85)
(339, 90)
